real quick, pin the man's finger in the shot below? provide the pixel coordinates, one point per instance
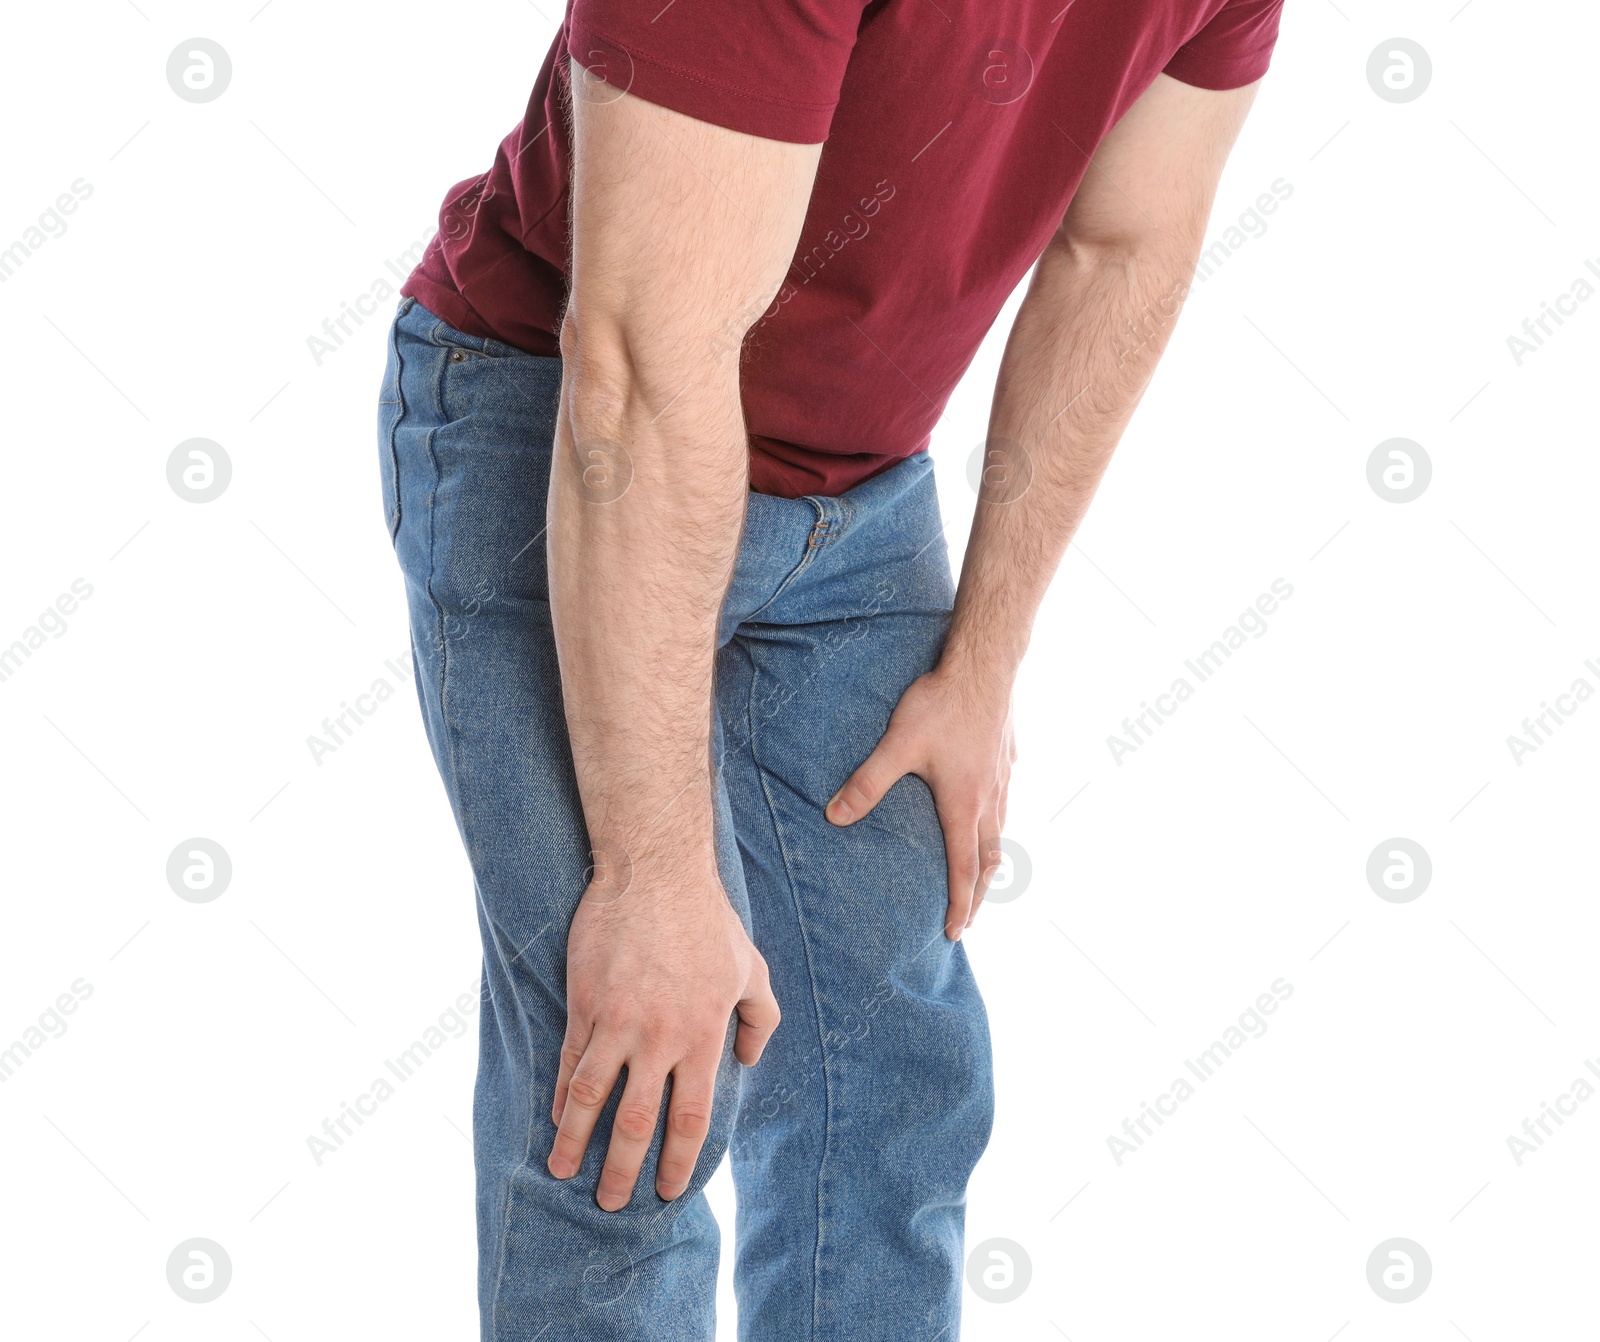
(579, 1032)
(864, 789)
(990, 859)
(758, 1016)
(688, 1122)
(961, 860)
(587, 1091)
(631, 1131)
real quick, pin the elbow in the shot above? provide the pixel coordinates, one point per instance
(595, 350)
(1125, 251)
(600, 373)
(619, 372)
(593, 340)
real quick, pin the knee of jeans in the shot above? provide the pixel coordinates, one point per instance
(943, 1053)
(971, 1081)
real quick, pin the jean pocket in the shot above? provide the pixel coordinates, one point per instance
(463, 348)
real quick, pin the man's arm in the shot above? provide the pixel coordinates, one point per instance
(681, 235)
(1096, 317)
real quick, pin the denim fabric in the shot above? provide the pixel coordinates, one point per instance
(853, 1139)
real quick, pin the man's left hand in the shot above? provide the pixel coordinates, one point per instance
(955, 734)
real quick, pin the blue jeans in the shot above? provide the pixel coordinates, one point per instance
(853, 1139)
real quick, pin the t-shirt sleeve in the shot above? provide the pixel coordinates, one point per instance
(1233, 49)
(765, 67)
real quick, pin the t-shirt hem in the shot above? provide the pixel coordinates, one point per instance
(1210, 72)
(448, 305)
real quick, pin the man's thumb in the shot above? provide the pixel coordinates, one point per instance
(864, 788)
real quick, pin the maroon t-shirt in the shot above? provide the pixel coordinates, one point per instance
(955, 135)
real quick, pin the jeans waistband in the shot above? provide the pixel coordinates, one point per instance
(423, 324)
(833, 514)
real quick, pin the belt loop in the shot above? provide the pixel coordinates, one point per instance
(834, 515)
(826, 527)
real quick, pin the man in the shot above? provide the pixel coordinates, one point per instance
(720, 737)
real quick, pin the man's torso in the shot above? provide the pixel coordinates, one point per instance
(960, 134)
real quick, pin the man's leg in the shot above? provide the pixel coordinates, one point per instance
(859, 1128)
(465, 434)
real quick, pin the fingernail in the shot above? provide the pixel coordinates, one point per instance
(560, 1167)
(842, 814)
(668, 1192)
(611, 1202)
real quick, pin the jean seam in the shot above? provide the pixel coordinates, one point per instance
(455, 771)
(394, 429)
(847, 517)
(798, 569)
(816, 1004)
(442, 642)
(835, 514)
(443, 645)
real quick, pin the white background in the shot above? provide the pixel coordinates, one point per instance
(1167, 890)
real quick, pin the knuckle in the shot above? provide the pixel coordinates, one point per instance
(861, 788)
(706, 1034)
(887, 763)
(616, 1014)
(690, 1118)
(587, 1091)
(635, 1122)
(654, 1036)
(962, 811)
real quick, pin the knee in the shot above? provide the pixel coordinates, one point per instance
(937, 1046)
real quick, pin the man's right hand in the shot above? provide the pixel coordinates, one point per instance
(652, 979)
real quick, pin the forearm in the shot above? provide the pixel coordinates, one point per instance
(680, 235)
(1082, 349)
(642, 543)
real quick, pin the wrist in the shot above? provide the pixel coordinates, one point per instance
(986, 665)
(669, 863)
(979, 676)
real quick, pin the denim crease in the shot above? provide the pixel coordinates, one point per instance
(853, 1139)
